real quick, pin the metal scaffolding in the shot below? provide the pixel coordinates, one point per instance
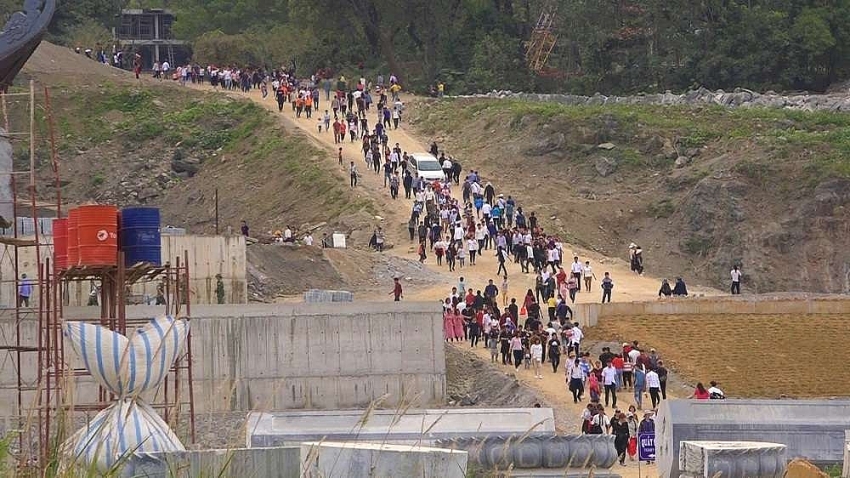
(46, 383)
(543, 39)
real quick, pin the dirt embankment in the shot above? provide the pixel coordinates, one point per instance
(699, 188)
(472, 381)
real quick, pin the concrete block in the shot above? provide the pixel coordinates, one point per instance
(313, 296)
(811, 429)
(568, 473)
(387, 426)
(380, 460)
(278, 462)
(732, 459)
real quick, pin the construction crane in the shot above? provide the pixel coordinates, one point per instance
(543, 39)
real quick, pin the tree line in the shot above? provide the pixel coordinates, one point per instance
(609, 46)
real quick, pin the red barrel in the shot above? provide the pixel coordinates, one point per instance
(97, 231)
(60, 244)
(73, 238)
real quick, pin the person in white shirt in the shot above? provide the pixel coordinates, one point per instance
(308, 239)
(536, 357)
(609, 380)
(714, 392)
(472, 247)
(653, 383)
(575, 338)
(287, 235)
(633, 355)
(552, 258)
(576, 379)
(736, 280)
(458, 236)
(576, 269)
(588, 275)
(485, 211)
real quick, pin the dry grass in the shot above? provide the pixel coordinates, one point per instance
(752, 356)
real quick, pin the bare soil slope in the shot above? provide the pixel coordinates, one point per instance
(698, 188)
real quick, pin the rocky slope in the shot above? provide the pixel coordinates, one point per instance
(740, 97)
(700, 188)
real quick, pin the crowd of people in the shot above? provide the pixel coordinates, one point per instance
(540, 328)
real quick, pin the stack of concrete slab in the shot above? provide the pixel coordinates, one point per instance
(390, 426)
(278, 462)
(730, 459)
(811, 429)
(313, 296)
(380, 460)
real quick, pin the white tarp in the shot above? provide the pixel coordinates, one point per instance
(126, 367)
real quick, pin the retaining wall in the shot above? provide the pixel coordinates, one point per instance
(589, 314)
(280, 357)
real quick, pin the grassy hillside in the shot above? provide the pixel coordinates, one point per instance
(127, 142)
(698, 188)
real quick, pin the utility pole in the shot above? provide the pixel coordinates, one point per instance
(216, 211)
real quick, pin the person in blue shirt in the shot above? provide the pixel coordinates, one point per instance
(640, 386)
(496, 215)
(24, 291)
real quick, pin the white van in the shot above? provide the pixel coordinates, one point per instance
(426, 166)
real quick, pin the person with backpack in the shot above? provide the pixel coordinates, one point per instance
(600, 423)
(714, 393)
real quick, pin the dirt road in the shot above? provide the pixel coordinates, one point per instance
(395, 213)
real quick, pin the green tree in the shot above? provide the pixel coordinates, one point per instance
(498, 63)
(812, 43)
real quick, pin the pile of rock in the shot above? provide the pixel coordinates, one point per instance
(740, 97)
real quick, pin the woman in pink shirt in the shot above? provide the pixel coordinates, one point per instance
(448, 325)
(516, 349)
(457, 322)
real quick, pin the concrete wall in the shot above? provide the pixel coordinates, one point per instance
(278, 462)
(279, 357)
(589, 314)
(208, 256)
(811, 429)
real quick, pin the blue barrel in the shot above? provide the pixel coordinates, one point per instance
(140, 237)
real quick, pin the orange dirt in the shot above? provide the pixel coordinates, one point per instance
(752, 356)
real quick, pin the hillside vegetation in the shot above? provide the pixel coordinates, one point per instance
(700, 189)
(126, 142)
(612, 47)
